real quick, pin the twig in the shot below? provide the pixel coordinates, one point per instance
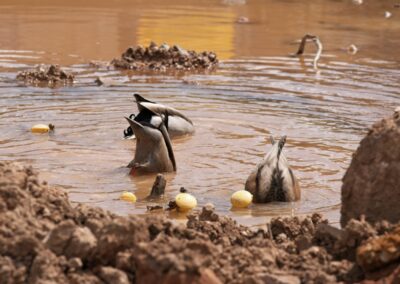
(318, 44)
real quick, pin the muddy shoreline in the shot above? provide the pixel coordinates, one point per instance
(44, 239)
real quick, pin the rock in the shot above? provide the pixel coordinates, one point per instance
(51, 75)
(371, 183)
(83, 278)
(162, 58)
(279, 279)
(112, 275)
(71, 240)
(381, 251)
(46, 268)
(208, 213)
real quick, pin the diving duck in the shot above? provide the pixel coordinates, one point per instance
(273, 179)
(177, 124)
(153, 152)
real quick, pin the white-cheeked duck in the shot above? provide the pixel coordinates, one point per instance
(177, 123)
(153, 153)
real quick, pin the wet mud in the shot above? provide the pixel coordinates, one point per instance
(163, 57)
(50, 75)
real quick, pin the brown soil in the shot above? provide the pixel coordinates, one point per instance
(371, 184)
(46, 75)
(163, 58)
(43, 239)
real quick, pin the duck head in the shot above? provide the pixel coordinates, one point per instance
(153, 153)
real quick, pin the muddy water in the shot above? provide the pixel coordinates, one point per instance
(258, 91)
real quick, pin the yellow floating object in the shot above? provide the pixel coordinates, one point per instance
(128, 196)
(40, 128)
(185, 202)
(241, 199)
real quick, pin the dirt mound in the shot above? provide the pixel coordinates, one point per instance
(371, 184)
(163, 58)
(43, 239)
(46, 75)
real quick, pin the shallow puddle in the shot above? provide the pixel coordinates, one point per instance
(258, 91)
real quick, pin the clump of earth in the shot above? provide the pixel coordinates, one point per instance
(164, 57)
(44, 239)
(46, 75)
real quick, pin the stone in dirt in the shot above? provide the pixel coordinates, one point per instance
(163, 58)
(46, 74)
(381, 251)
(371, 185)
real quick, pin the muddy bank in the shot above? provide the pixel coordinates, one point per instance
(46, 75)
(164, 57)
(43, 239)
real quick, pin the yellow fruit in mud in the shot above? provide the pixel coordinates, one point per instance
(185, 202)
(128, 196)
(40, 128)
(241, 199)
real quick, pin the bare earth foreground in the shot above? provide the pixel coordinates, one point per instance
(43, 239)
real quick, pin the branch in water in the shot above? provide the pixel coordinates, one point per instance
(317, 42)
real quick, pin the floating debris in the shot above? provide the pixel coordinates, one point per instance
(154, 207)
(387, 14)
(357, 2)
(106, 82)
(352, 49)
(185, 201)
(317, 43)
(162, 58)
(241, 199)
(242, 20)
(42, 128)
(51, 75)
(128, 196)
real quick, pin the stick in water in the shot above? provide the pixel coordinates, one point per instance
(317, 42)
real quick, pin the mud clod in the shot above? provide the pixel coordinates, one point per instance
(371, 183)
(163, 57)
(50, 75)
(43, 239)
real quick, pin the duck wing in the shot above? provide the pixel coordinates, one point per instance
(139, 99)
(164, 110)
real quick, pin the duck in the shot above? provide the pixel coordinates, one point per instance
(153, 153)
(273, 179)
(177, 125)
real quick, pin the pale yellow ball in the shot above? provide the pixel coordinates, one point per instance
(241, 199)
(40, 128)
(128, 196)
(185, 202)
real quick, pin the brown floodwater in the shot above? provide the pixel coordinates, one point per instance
(258, 91)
